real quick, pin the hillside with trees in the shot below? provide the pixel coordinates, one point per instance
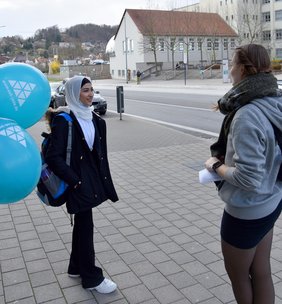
(66, 44)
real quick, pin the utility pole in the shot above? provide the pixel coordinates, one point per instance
(125, 42)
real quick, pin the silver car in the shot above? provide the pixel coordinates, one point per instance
(58, 99)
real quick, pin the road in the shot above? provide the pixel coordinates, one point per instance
(187, 111)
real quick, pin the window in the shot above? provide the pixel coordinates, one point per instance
(161, 45)
(278, 34)
(225, 44)
(216, 44)
(123, 73)
(278, 53)
(200, 44)
(266, 35)
(119, 73)
(209, 44)
(113, 72)
(191, 44)
(152, 43)
(232, 43)
(131, 45)
(181, 44)
(278, 15)
(172, 44)
(266, 17)
(124, 46)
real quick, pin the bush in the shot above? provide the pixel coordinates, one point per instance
(276, 66)
(55, 67)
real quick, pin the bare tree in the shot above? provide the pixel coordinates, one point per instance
(150, 41)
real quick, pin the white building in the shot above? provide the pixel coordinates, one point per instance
(154, 40)
(255, 21)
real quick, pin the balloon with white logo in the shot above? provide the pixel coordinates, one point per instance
(24, 93)
(20, 162)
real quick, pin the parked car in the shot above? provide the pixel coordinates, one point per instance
(57, 95)
(58, 99)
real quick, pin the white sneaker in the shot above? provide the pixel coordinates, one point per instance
(107, 286)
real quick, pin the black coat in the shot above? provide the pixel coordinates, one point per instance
(91, 168)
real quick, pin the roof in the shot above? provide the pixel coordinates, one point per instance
(179, 23)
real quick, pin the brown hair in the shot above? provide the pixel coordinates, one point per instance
(49, 115)
(254, 57)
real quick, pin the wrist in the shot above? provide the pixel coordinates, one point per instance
(216, 165)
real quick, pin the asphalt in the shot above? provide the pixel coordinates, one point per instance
(160, 243)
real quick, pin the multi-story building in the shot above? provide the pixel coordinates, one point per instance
(255, 21)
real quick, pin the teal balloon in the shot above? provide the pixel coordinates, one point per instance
(24, 93)
(20, 162)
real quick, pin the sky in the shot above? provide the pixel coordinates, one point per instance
(25, 17)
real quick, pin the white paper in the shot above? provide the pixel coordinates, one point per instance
(205, 176)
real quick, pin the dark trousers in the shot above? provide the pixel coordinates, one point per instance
(82, 259)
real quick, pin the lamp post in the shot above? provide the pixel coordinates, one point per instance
(125, 42)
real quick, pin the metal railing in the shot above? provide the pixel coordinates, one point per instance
(210, 68)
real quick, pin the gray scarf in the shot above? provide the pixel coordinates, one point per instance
(244, 92)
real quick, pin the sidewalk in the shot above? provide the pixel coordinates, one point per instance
(160, 243)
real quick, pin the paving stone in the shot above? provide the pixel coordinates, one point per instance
(126, 280)
(10, 253)
(114, 268)
(42, 278)
(157, 257)
(223, 293)
(38, 265)
(181, 280)
(12, 264)
(167, 268)
(15, 277)
(18, 292)
(137, 294)
(196, 293)
(32, 255)
(167, 294)
(142, 268)
(154, 280)
(47, 292)
(29, 300)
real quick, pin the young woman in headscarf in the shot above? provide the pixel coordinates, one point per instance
(88, 177)
(248, 159)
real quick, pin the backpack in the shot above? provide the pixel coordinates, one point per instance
(52, 190)
(278, 137)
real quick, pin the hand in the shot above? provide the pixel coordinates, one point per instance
(210, 162)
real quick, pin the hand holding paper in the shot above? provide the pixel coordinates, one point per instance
(205, 176)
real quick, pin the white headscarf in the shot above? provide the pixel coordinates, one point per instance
(72, 89)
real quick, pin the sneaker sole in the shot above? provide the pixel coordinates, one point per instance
(74, 275)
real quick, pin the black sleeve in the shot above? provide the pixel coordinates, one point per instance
(56, 152)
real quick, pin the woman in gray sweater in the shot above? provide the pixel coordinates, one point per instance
(248, 158)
